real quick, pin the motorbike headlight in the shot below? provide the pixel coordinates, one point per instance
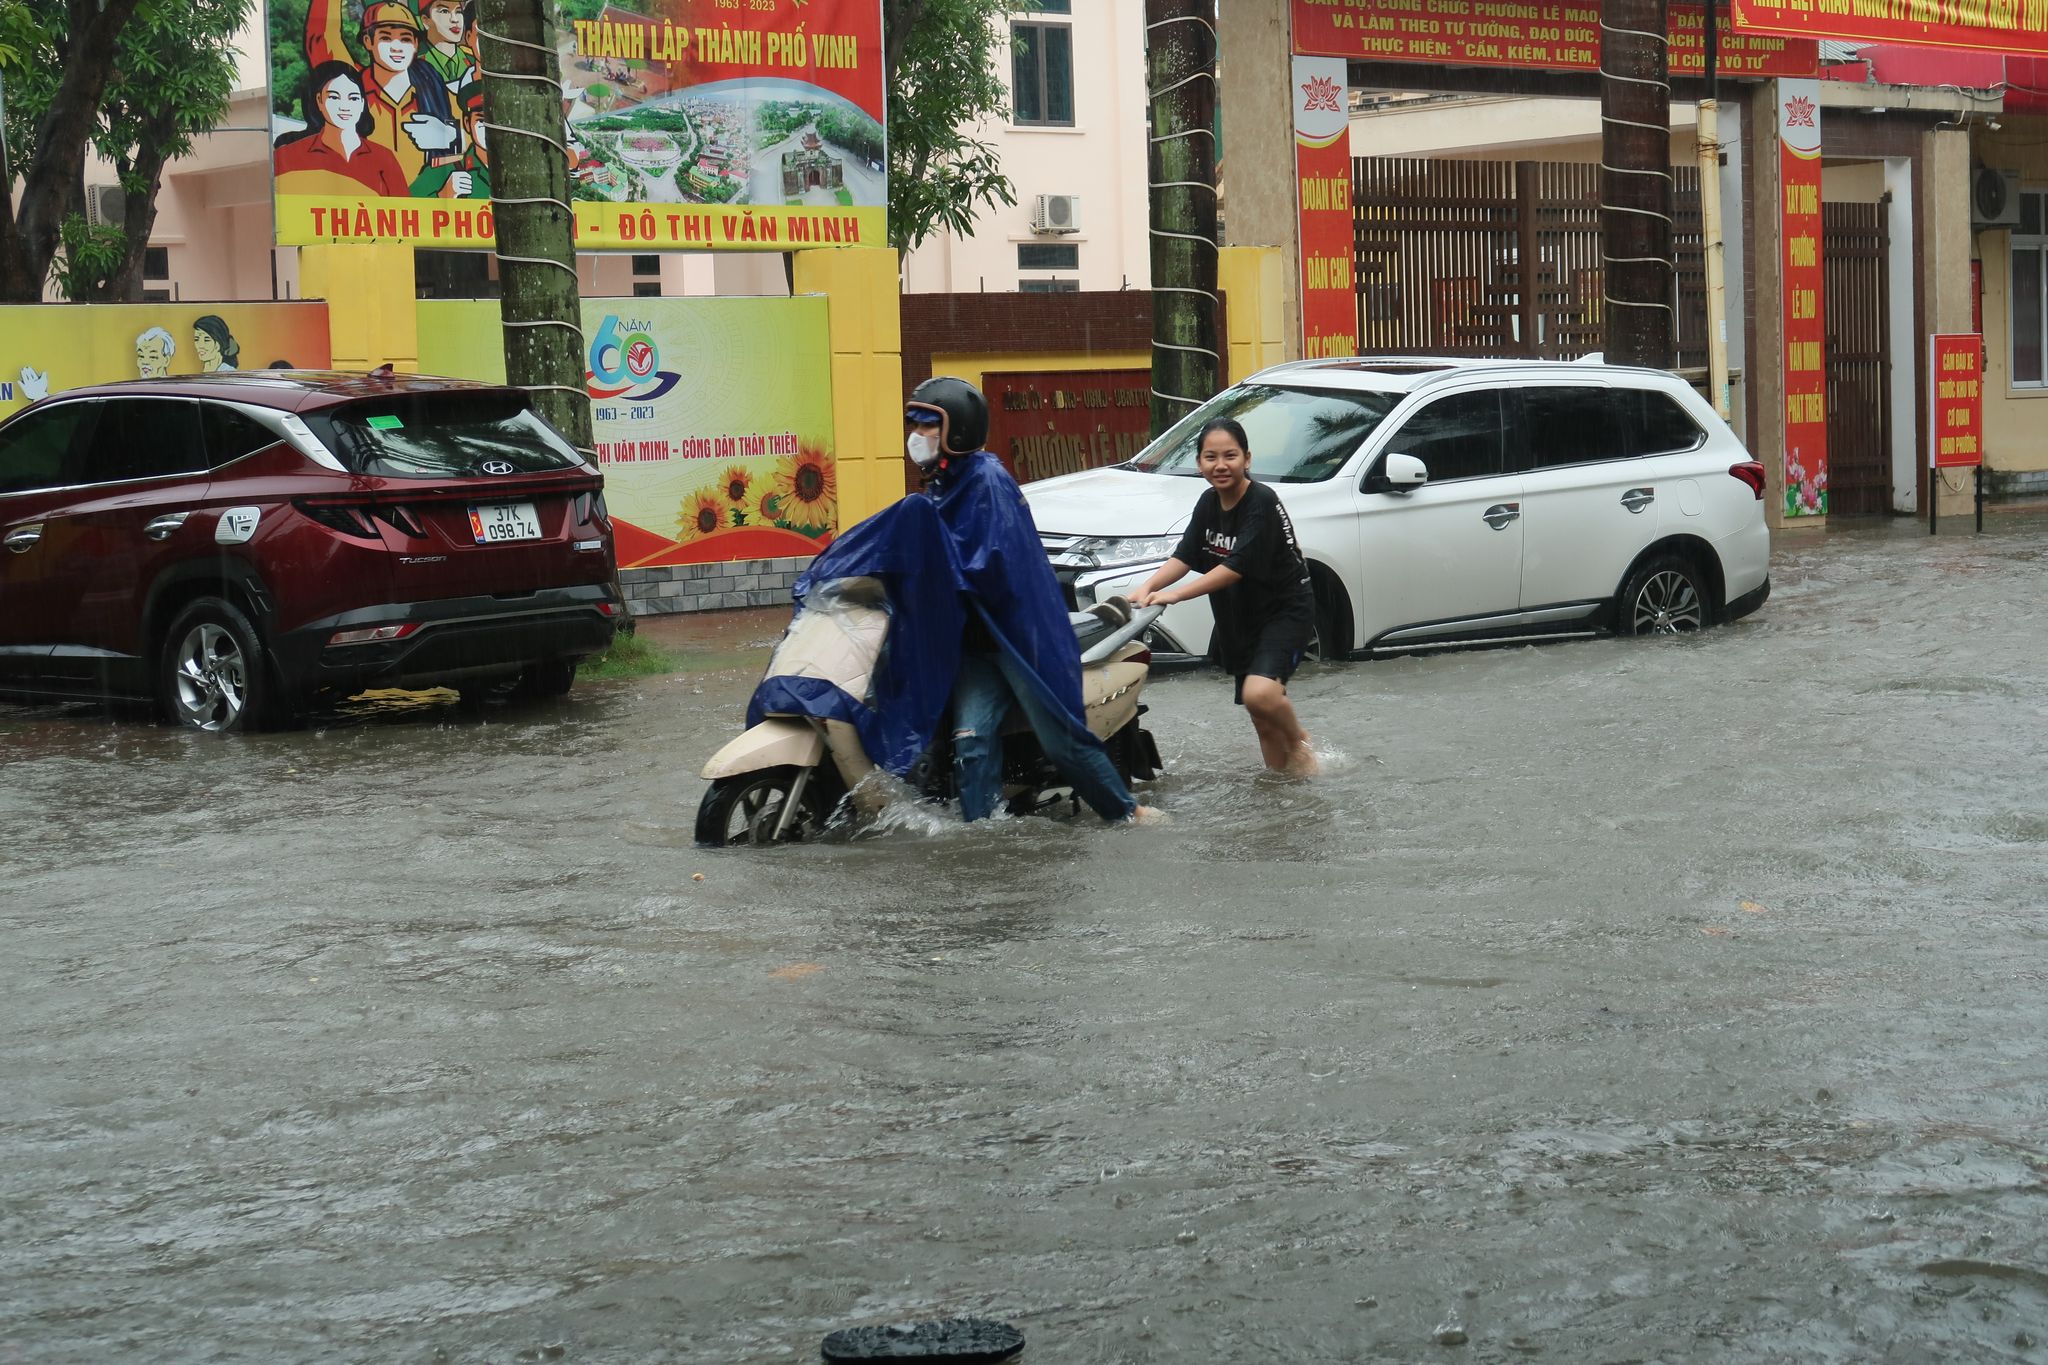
(1114, 552)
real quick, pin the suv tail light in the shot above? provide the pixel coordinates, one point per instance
(350, 521)
(401, 521)
(1751, 473)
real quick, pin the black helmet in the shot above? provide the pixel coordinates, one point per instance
(963, 407)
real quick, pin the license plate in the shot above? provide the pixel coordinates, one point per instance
(502, 521)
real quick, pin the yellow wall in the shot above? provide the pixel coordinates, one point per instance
(866, 309)
(372, 313)
(2013, 417)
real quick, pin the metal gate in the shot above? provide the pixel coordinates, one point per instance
(1438, 251)
(1856, 259)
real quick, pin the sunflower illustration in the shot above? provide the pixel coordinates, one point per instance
(737, 481)
(770, 507)
(807, 489)
(702, 514)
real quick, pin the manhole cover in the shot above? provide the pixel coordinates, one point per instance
(959, 1339)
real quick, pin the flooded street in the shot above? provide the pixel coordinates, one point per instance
(1614, 1001)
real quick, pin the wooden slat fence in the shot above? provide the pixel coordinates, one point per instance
(1438, 247)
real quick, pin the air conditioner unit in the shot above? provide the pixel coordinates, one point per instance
(105, 205)
(1056, 213)
(1995, 198)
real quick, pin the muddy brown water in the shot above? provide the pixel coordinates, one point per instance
(1644, 1001)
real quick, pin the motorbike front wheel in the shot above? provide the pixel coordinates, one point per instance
(746, 809)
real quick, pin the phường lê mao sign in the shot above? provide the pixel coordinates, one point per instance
(1805, 302)
(1532, 37)
(691, 124)
(1046, 423)
(1955, 371)
(2010, 26)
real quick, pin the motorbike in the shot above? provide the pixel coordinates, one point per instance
(785, 779)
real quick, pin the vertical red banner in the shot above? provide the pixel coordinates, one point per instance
(1805, 303)
(1955, 371)
(1322, 163)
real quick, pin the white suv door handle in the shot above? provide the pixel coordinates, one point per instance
(1500, 514)
(1636, 499)
(163, 526)
(23, 538)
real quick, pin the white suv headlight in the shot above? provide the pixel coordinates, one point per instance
(1113, 552)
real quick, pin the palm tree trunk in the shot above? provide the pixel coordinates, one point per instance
(541, 302)
(1635, 183)
(1180, 69)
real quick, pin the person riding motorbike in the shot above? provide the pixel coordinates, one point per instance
(1017, 649)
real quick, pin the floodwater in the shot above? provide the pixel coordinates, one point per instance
(1617, 1001)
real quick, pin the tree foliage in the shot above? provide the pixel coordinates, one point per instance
(943, 61)
(166, 76)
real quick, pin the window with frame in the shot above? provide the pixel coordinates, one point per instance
(2029, 291)
(1573, 425)
(145, 438)
(1048, 256)
(39, 449)
(1458, 437)
(230, 434)
(1041, 74)
(1657, 423)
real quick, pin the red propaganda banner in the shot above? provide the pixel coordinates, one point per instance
(688, 124)
(1806, 385)
(2008, 26)
(1322, 165)
(1047, 423)
(1533, 37)
(1955, 368)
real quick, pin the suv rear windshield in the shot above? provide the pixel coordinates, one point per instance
(1296, 435)
(438, 435)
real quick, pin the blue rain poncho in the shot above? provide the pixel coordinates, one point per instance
(966, 544)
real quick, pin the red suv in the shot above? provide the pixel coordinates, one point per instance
(235, 547)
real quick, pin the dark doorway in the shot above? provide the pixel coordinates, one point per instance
(1856, 259)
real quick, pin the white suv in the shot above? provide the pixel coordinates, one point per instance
(1450, 502)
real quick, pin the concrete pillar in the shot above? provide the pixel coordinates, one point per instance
(865, 306)
(1944, 281)
(372, 316)
(1254, 280)
(1764, 366)
(1254, 69)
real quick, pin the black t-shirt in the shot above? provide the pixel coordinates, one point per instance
(1255, 538)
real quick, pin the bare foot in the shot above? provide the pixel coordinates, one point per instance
(1302, 762)
(1150, 815)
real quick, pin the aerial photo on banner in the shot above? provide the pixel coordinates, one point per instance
(692, 124)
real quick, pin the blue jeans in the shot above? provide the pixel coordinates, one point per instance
(981, 698)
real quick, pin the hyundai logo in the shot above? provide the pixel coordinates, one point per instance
(497, 467)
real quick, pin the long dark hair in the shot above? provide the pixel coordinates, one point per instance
(1228, 428)
(317, 80)
(216, 327)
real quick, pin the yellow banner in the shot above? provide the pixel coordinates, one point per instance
(46, 348)
(456, 223)
(713, 418)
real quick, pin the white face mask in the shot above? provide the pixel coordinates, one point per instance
(923, 449)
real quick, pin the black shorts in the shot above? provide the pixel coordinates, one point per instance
(1277, 654)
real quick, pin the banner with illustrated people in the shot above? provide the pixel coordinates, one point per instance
(48, 348)
(713, 418)
(693, 124)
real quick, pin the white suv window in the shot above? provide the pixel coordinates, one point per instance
(1296, 435)
(1458, 437)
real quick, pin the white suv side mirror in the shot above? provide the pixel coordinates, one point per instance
(1404, 473)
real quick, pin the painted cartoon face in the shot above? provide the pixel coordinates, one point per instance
(152, 361)
(341, 103)
(206, 348)
(444, 21)
(393, 48)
